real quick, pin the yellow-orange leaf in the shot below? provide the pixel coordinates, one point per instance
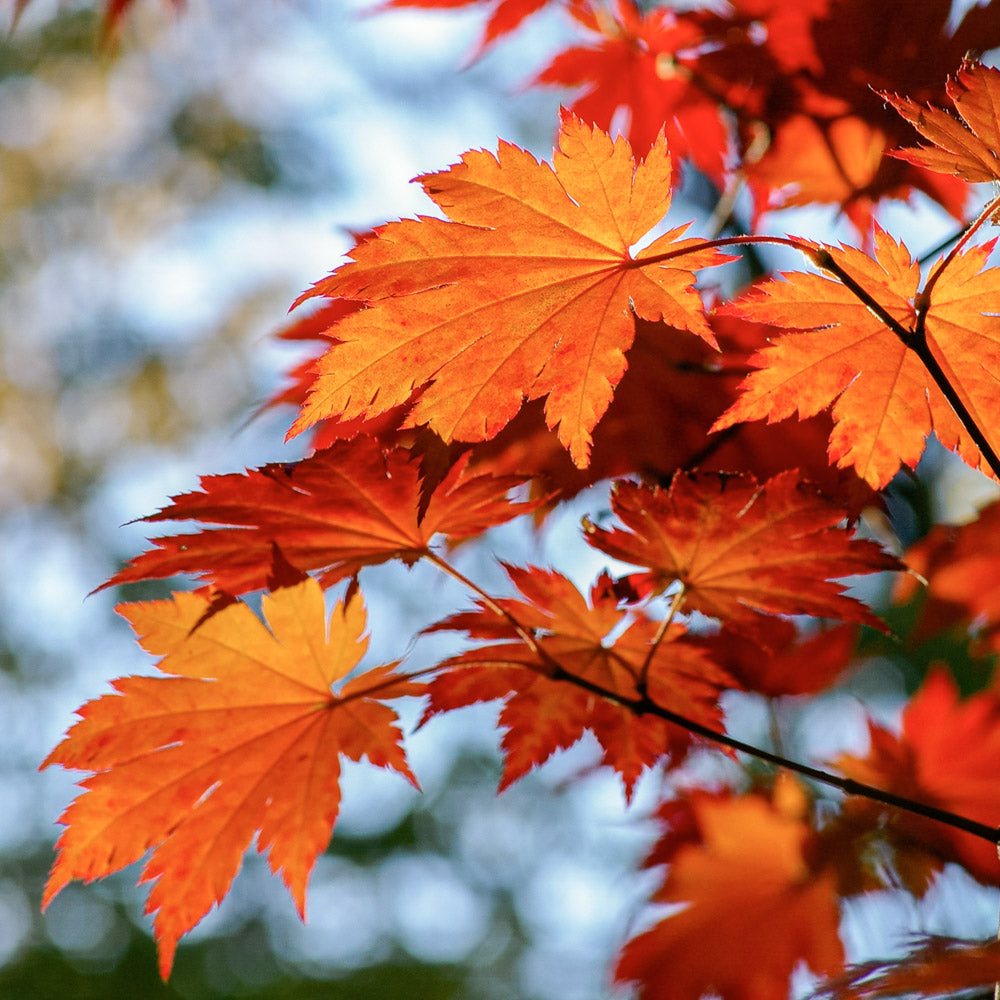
(528, 292)
(244, 740)
(842, 354)
(970, 150)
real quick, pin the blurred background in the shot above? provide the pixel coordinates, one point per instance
(162, 202)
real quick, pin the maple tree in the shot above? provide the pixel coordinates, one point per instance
(549, 335)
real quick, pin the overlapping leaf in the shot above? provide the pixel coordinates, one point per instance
(755, 905)
(970, 150)
(630, 66)
(561, 634)
(783, 662)
(245, 739)
(348, 506)
(528, 292)
(948, 755)
(884, 403)
(740, 548)
(939, 966)
(957, 567)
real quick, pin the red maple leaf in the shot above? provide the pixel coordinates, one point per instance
(348, 506)
(958, 567)
(739, 548)
(937, 966)
(947, 755)
(560, 636)
(635, 65)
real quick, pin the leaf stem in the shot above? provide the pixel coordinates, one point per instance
(646, 706)
(675, 606)
(526, 635)
(989, 209)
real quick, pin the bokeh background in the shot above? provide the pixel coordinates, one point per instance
(162, 202)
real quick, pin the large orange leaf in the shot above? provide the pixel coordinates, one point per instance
(561, 634)
(755, 905)
(740, 548)
(884, 402)
(970, 150)
(245, 740)
(350, 505)
(528, 292)
(948, 756)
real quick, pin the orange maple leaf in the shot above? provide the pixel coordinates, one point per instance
(755, 905)
(948, 756)
(246, 739)
(528, 292)
(558, 635)
(351, 505)
(970, 150)
(740, 548)
(884, 401)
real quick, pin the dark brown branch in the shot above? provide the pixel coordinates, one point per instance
(644, 705)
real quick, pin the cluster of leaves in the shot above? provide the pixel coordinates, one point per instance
(534, 341)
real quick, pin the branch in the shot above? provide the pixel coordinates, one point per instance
(642, 704)
(916, 339)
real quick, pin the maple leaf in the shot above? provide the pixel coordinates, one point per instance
(245, 739)
(528, 292)
(348, 506)
(782, 662)
(558, 636)
(740, 548)
(947, 755)
(958, 567)
(938, 966)
(674, 390)
(634, 66)
(884, 402)
(970, 150)
(780, 68)
(755, 905)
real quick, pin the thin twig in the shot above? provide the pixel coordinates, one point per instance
(675, 606)
(644, 705)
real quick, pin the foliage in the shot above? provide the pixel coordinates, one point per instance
(495, 363)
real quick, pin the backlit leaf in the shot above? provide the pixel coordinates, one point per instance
(528, 292)
(244, 739)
